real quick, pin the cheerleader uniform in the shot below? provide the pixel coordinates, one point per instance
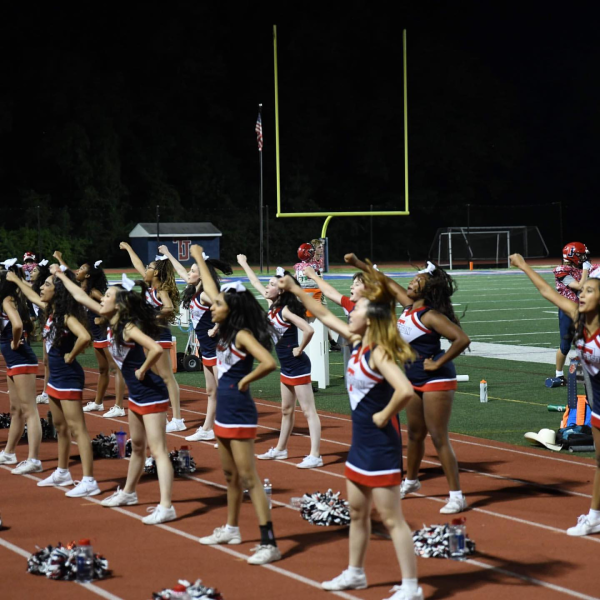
(98, 333)
(237, 417)
(375, 457)
(201, 319)
(294, 370)
(66, 381)
(20, 361)
(147, 396)
(165, 339)
(588, 349)
(426, 343)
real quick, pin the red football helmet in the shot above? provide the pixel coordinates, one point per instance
(306, 252)
(576, 253)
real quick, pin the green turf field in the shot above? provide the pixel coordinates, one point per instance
(500, 309)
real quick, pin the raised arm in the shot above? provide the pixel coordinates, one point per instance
(77, 292)
(25, 289)
(181, 270)
(208, 283)
(546, 290)
(254, 280)
(327, 289)
(58, 256)
(136, 261)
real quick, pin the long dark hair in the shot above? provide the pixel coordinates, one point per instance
(246, 313)
(96, 279)
(43, 274)
(133, 308)
(166, 276)
(10, 290)
(289, 299)
(63, 305)
(213, 264)
(437, 293)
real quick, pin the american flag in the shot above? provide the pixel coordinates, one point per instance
(259, 136)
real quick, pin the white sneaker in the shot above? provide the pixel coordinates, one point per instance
(409, 488)
(90, 406)
(584, 526)
(264, 554)
(84, 488)
(273, 454)
(346, 581)
(221, 535)
(56, 479)
(201, 435)
(176, 425)
(454, 505)
(310, 462)
(402, 594)
(28, 466)
(115, 411)
(120, 498)
(7, 459)
(159, 514)
(42, 399)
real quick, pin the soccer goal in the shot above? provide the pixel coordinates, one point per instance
(454, 246)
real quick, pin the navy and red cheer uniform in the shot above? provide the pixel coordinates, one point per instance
(294, 370)
(375, 457)
(165, 339)
(588, 349)
(20, 361)
(149, 395)
(66, 381)
(99, 337)
(202, 322)
(427, 344)
(237, 417)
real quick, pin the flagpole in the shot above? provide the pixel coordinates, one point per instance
(260, 203)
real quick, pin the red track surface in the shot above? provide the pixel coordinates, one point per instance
(521, 502)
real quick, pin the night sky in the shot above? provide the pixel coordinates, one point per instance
(107, 110)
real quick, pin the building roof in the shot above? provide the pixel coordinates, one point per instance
(175, 229)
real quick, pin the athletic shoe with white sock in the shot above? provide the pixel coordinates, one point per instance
(454, 505)
(7, 459)
(264, 554)
(84, 488)
(346, 581)
(56, 478)
(409, 487)
(584, 526)
(310, 462)
(90, 406)
(120, 498)
(201, 435)
(403, 594)
(115, 411)
(159, 514)
(176, 425)
(43, 398)
(222, 535)
(273, 454)
(28, 466)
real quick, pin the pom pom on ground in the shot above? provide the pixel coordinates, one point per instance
(325, 509)
(60, 563)
(432, 542)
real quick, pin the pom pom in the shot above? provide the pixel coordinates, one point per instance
(105, 446)
(178, 466)
(325, 510)
(432, 542)
(60, 563)
(196, 591)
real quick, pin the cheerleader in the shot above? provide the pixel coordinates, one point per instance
(378, 390)
(586, 317)
(21, 364)
(65, 336)
(428, 316)
(199, 304)
(132, 327)
(287, 315)
(163, 296)
(245, 334)
(93, 281)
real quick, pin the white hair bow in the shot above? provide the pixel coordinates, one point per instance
(97, 264)
(127, 283)
(595, 273)
(279, 271)
(161, 257)
(375, 267)
(429, 269)
(62, 268)
(9, 263)
(205, 256)
(236, 286)
(43, 263)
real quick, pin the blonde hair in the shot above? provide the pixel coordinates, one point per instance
(381, 313)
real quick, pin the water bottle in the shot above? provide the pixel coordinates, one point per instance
(269, 492)
(483, 391)
(184, 458)
(179, 591)
(121, 443)
(556, 408)
(456, 540)
(85, 562)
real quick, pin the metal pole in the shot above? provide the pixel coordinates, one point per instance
(260, 200)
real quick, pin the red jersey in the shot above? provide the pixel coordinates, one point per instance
(563, 275)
